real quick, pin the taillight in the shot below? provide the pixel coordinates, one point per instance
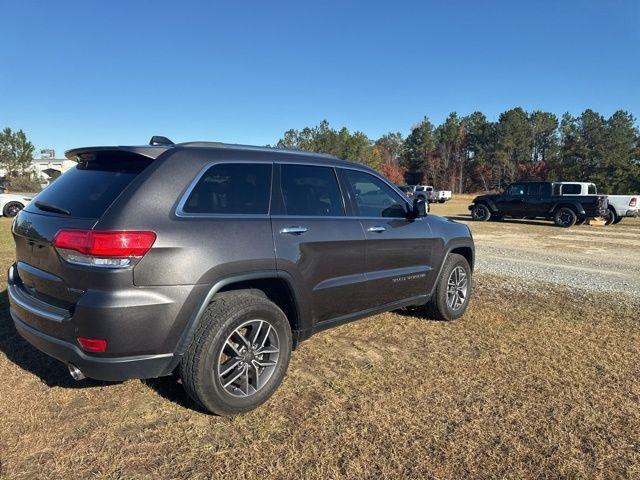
(108, 249)
(633, 202)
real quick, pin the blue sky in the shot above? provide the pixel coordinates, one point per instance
(79, 73)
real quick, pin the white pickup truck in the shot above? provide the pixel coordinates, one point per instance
(428, 193)
(12, 203)
(620, 206)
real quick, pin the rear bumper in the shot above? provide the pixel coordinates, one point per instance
(109, 369)
(141, 325)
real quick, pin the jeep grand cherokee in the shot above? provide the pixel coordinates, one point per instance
(216, 260)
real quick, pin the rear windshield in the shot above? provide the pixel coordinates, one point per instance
(88, 189)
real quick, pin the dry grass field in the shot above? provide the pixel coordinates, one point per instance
(536, 380)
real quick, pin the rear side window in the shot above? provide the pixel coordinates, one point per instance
(232, 188)
(533, 190)
(88, 189)
(311, 191)
(592, 189)
(545, 190)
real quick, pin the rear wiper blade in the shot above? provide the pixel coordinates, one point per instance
(47, 207)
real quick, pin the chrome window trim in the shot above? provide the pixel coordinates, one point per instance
(179, 212)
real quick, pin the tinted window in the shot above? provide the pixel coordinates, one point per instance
(88, 189)
(515, 190)
(571, 189)
(533, 189)
(374, 197)
(592, 190)
(232, 188)
(545, 190)
(311, 191)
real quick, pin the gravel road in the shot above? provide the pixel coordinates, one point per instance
(604, 259)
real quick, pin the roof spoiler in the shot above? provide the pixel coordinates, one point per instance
(88, 154)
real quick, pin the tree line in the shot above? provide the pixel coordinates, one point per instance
(471, 153)
(16, 157)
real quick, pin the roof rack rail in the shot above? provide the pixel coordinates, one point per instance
(160, 140)
(255, 148)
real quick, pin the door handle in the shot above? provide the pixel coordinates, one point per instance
(293, 230)
(376, 229)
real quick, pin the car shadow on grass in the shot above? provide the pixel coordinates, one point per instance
(52, 372)
(171, 389)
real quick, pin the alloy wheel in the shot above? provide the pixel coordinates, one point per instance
(457, 287)
(565, 218)
(249, 357)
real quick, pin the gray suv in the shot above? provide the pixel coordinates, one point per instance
(215, 261)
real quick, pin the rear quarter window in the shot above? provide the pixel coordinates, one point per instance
(231, 189)
(88, 189)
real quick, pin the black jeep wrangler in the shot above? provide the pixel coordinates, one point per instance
(538, 200)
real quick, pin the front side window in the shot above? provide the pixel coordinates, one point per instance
(311, 191)
(232, 188)
(515, 190)
(374, 197)
(592, 189)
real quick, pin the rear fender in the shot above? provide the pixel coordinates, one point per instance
(192, 326)
(575, 206)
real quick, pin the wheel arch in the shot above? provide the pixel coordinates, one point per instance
(464, 247)
(575, 206)
(490, 204)
(276, 285)
(5, 203)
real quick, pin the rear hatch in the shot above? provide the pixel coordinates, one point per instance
(76, 201)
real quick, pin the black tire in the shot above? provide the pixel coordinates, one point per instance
(441, 201)
(439, 307)
(617, 220)
(480, 213)
(11, 209)
(199, 367)
(610, 216)
(565, 217)
(581, 220)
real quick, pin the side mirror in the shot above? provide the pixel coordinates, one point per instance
(419, 208)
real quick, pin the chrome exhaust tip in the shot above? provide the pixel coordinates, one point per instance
(76, 373)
